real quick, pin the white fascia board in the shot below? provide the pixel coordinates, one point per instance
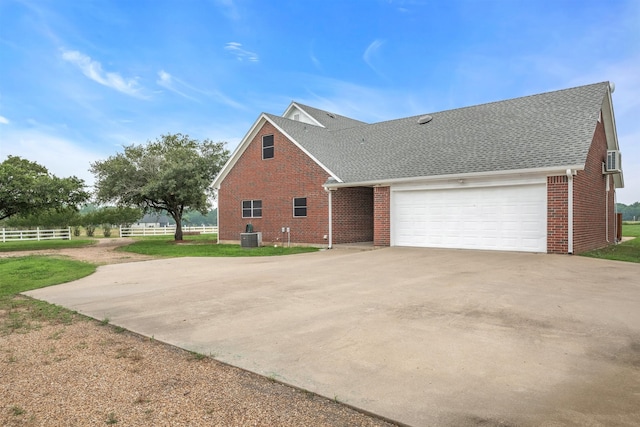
(304, 150)
(507, 174)
(247, 140)
(309, 116)
(609, 122)
(238, 151)
(611, 133)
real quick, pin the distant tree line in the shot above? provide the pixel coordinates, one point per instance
(104, 217)
(172, 174)
(197, 218)
(629, 212)
(91, 217)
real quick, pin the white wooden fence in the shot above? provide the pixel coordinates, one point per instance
(37, 234)
(160, 231)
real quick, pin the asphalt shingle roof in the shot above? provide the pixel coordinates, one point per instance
(553, 129)
(331, 121)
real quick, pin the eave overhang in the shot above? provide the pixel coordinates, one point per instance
(609, 121)
(534, 172)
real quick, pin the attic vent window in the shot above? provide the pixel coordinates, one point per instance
(425, 119)
(296, 117)
(333, 116)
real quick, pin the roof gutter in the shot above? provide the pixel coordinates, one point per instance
(548, 171)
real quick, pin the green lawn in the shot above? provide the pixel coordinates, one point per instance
(20, 274)
(203, 246)
(626, 251)
(32, 272)
(34, 245)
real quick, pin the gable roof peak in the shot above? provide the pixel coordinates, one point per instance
(323, 118)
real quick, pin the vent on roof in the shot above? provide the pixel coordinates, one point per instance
(333, 116)
(425, 119)
(614, 161)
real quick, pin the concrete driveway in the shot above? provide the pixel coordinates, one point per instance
(421, 336)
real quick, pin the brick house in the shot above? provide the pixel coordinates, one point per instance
(535, 174)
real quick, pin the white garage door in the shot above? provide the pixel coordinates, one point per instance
(512, 218)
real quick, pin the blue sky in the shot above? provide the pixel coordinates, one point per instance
(81, 79)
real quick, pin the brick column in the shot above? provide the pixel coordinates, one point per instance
(557, 215)
(381, 216)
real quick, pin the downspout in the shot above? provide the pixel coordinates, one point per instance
(330, 246)
(570, 174)
(615, 215)
(606, 207)
(217, 218)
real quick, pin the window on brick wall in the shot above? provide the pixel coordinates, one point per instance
(300, 207)
(267, 147)
(252, 209)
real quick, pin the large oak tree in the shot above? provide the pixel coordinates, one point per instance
(28, 188)
(172, 174)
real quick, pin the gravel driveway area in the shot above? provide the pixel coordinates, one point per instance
(91, 373)
(101, 253)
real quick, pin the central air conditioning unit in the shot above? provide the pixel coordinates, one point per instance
(614, 161)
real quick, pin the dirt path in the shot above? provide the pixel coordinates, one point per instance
(102, 252)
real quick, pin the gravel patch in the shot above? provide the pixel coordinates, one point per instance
(90, 374)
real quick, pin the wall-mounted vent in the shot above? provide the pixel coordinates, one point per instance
(614, 161)
(424, 119)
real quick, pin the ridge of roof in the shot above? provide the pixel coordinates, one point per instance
(535, 131)
(328, 119)
(546, 131)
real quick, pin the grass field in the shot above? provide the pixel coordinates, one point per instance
(32, 272)
(627, 251)
(26, 273)
(34, 245)
(203, 245)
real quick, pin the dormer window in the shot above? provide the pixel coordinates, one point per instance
(267, 147)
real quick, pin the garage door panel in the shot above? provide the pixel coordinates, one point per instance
(501, 218)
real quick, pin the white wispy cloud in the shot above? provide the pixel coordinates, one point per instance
(183, 89)
(4, 120)
(315, 61)
(313, 57)
(167, 81)
(241, 54)
(63, 157)
(370, 53)
(93, 70)
(230, 9)
(369, 104)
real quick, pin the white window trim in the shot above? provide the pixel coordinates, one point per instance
(242, 208)
(306, 207)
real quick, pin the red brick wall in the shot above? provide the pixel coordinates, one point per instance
(352, 215)
(290, 173)
(590, 200)
(557, 214)
(382, 213)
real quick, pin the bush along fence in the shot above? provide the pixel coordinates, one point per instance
(37, 234)
(160, 231)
